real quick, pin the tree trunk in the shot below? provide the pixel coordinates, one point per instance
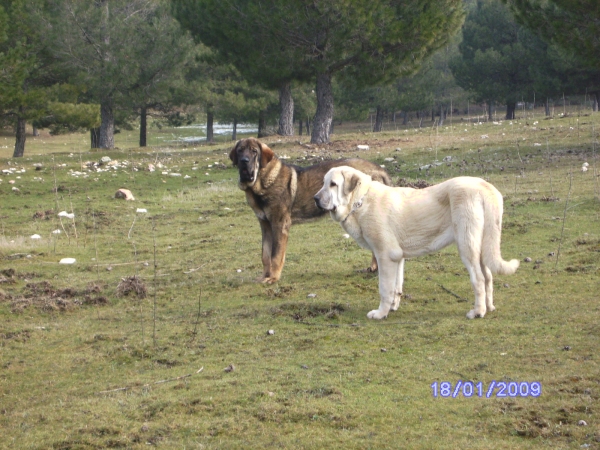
(443, 112)
(490, 112)
(433, 114)
(94, 137)
(378, 120)
(286, 110)
(595, 100)
(300, 128)
(210, 132)
(35, 132)
(547, 107)
(322, 123)
(143, 126)
(234, 133)
(262, 123)
(307, 126)
(510, 110)
(404, 117)
(107, 126)
(20, 138)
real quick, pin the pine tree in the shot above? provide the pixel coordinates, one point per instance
(283, 40)
(24, 62)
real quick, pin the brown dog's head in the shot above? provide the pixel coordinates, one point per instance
(250, 155)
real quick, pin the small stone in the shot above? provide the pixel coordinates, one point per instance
(566, 348)
(383, 350)
(582, 423)
(304, 366)
(528, 259)
(311, 295)
(109, 268)
(271, 394)
(125, 194)
(551, 254)
(229, 368)
(271, 332)
(506, 285)
(144, 428)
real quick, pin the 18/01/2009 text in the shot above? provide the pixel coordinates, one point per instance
(495, 389)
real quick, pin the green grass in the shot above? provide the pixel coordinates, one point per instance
(322, 380)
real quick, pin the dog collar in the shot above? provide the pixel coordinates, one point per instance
(356, 205)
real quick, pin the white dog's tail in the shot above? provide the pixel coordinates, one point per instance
(491, 255)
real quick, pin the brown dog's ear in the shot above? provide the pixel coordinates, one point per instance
(350, 182)
(266, 155)
(233, 153)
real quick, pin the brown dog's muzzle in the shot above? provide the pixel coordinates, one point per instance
(246, 170)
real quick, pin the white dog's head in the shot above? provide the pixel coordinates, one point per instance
(336, 194)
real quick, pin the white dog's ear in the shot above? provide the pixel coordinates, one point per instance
(351, 181)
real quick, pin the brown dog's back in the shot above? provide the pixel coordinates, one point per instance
(310, 180)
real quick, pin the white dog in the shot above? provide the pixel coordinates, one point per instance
(397, 223)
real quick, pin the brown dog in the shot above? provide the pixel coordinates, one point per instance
(280, 194)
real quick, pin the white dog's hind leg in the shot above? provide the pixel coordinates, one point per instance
(468, 241)
(399, 283)
(388, 270)
(489, 288)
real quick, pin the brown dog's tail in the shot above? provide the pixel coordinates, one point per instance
(382, 177)
(492, 258)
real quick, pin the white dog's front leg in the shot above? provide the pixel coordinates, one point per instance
(388, 270)
(399, 283)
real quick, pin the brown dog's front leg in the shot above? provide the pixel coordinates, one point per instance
(267, 246)
(280, 232)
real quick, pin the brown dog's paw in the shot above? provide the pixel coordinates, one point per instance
(267, 280)
(368, 270)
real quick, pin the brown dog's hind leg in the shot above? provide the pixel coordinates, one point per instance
(372, 268)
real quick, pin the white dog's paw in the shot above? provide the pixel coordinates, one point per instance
(376, 314)
(473, 314)
(491, 308)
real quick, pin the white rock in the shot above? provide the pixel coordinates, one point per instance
(362, 147)
(447, 158)
(11, 182)
(141, 210)
(105, 159)
(151, 168)
(35, 236)
(583, 169)
(347, 236)
(389, 159)
(56, 232)
(311, 295)
(175, 174)
(66, 214)
(187, 177)
(67, 261)
(585, 164)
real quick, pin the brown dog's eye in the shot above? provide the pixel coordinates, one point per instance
(254, 150)
(332, 184)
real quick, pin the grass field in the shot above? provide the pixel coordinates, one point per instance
(91, 357)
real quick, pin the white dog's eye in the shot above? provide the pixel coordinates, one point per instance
(332, 184)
